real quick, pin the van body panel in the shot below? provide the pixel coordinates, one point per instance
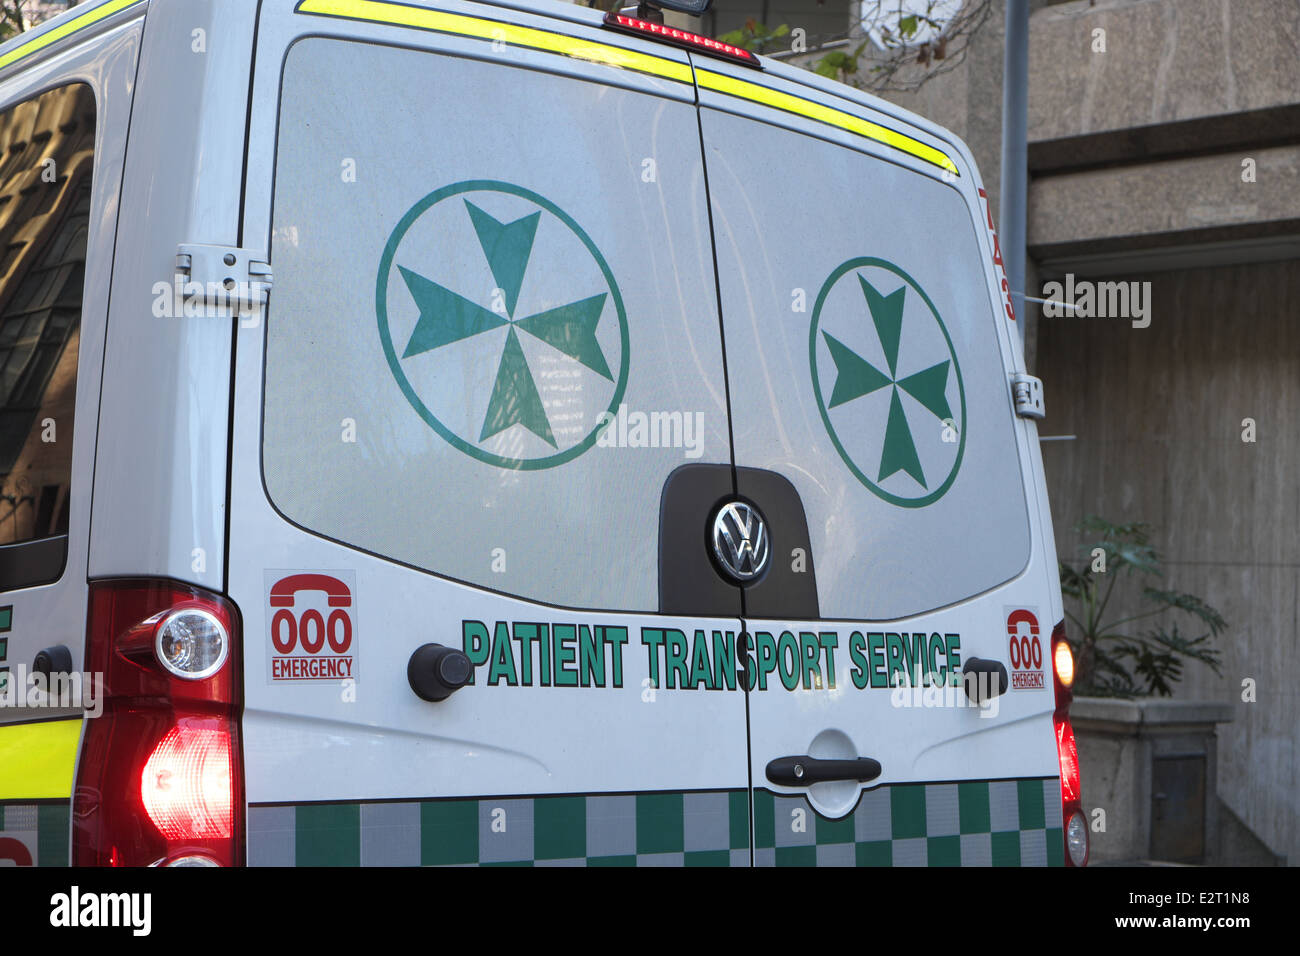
(161, 461)
(55, 36)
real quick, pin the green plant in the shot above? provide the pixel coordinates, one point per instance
(840, 64)
(754, 36)
(1111, 659)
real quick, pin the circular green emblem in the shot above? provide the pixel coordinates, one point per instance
(502, 324)
(887, 382)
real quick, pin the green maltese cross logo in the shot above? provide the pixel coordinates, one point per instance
(547, 318)
(895, 410)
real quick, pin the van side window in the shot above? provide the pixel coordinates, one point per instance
(46, 159)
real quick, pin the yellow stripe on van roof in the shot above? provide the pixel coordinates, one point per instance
(64, 30)
(422, 18)
(382, 11)
(822, 113)
(37, 760)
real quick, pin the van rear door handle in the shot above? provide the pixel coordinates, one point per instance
(804, 771)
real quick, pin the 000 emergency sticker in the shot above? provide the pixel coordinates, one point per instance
(1025, 649)
(311, 617)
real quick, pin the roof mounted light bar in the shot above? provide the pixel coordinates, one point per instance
(640, 26)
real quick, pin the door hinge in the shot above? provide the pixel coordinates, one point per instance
(1027, 392)
(224, 277)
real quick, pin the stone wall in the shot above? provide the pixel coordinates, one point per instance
(1157, 414)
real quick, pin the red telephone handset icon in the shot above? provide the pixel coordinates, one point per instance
(1026, 652)
(310, 628)
(1022, 617)
(283, 591)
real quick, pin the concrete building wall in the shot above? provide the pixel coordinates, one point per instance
(1164, 62)
(1157, 414)
(1172, 157)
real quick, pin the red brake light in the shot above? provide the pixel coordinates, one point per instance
(1067, 752)
(185, 784)
(160, 777)
(681, 38)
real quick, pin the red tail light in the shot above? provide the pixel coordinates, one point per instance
(681, 38)
(160, 779)
(186, 783)
(1067, 752)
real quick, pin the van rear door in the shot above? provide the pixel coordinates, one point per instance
(491, 373)
(869, 361)
(64, 112)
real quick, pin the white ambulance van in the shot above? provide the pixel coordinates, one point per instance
(446, 432)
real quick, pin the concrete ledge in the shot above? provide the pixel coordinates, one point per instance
(1132, 716)
(1159, 252)
(1121, 742)
(1163, 63)
(1160, 200)
(1253, 130)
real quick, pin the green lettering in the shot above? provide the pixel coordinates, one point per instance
(893, 657)
(591, 656)
(474, 641)
(526, 635)
(810, 652)
(857, 654)
(618, 637)
(765, 644)
(563, 638)
(829, 641)
(544, 654)
(953, 642)
(915, 658)
(724, 659)
(936, 645)
(875, 641)
(677, 671)
(503, 658)
(701, 665)
(787, 648)
(653, 638)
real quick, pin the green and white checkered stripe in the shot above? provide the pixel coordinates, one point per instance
(35, 831)
(709, 828)
(972, 823)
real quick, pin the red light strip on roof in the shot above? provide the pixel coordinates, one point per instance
(681, 38)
